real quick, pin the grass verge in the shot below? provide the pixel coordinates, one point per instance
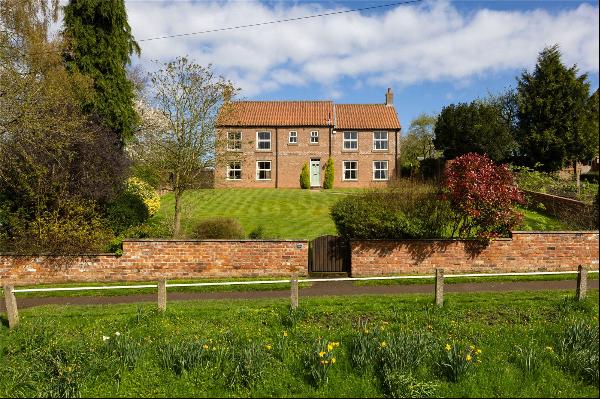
(509, 345)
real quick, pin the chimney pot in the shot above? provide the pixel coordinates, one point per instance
(389, 97)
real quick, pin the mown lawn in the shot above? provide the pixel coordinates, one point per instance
(285, 213)
(541, 344)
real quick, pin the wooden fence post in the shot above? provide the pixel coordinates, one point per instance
(162, 294)
(11, 306)
(581, 283)
(439, 287)
(294, 288)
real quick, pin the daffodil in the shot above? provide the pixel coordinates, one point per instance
(332, 360)
(285, 334)
(105, 338)
(549, 348)
(478, 352)
(268, 347)
(329, 347)
(383, 344)
(321, 354)
(448, 347)
(204, 346)
(117, 333)
(468, 358)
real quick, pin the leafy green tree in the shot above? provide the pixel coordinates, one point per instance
(481, 127)
(58, 168)
(558, 119)
(418, 142)
(329, 174)
(100, 45)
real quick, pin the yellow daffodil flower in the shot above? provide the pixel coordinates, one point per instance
(321, 354)
(333, 360)
(448, 347)
(468, 358)
(383, 344)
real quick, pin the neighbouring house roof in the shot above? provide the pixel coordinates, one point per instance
(277, 113)
(309, 113)
(366, 116)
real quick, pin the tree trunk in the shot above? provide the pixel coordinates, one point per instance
(177, 223)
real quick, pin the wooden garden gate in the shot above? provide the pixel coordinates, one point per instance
(329, 254)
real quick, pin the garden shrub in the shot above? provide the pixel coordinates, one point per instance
(305, 177)
(74, 226)
(218, 228)
(483, 197)
(329, 174)
(258, 233)
(407, 210)
(134, 205)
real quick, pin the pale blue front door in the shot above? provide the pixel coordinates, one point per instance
(315, 172)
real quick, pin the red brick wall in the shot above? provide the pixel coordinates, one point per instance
(151, 260)
(524, 252)
(560, 207)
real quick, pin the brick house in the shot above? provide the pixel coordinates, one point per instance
(266, 143)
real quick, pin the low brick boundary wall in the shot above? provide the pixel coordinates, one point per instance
(562, 207)
(523, 252)
(154, 259)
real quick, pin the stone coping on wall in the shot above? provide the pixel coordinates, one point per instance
(556, 197)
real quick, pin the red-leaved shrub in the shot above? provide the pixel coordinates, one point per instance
(483, 196)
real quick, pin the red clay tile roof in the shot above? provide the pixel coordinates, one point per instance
(278, 113)
(366, 116)
(309, 113)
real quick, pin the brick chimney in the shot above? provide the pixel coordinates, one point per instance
(389, 97)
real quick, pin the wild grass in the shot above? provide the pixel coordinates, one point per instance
(256, 348)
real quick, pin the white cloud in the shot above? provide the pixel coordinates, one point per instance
(403, 45)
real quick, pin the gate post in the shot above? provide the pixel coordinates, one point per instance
(294, 289)
(11, 306)
(162, 294)
(581, 283)
(439, 287)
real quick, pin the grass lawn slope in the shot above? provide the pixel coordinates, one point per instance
(284, 213)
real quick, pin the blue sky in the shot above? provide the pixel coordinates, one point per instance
(431, 53)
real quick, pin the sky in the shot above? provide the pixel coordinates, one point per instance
(431, 53)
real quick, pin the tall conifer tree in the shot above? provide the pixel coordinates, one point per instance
(100, 45)
(557, 120)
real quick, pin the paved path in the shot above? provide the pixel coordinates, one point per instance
(317, 289)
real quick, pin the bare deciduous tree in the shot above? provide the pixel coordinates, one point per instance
(178, 137)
